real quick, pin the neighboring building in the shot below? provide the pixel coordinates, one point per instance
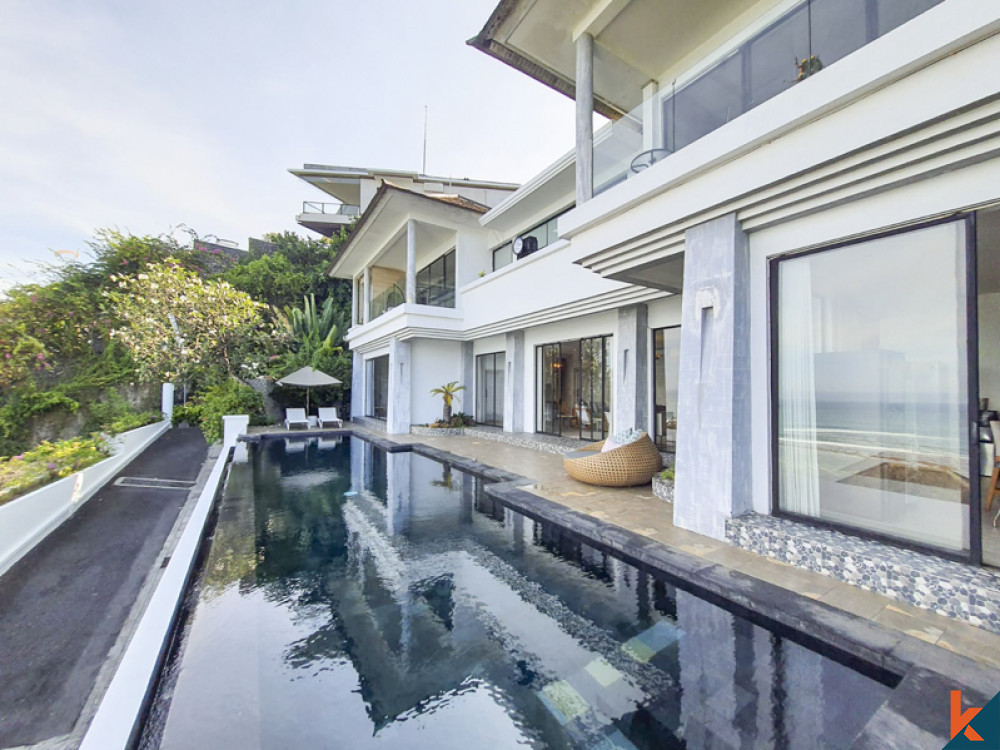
(354, 188)
(781, 258)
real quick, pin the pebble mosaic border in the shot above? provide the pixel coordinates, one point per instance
(663, 489)
(376, 425)
(943, 586)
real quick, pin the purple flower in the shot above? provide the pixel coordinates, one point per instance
(51, 467)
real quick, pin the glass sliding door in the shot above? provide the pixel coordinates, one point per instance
(378, 387)
(574, 388)
(489, 388)
(666, 372)
(872, 393)
(549, 380)
(593, 409)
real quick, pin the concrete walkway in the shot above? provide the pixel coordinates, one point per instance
(638, 510)
(64, 604)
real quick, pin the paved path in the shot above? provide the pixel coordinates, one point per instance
(63, 605)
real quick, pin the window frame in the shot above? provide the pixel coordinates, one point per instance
(974, 555)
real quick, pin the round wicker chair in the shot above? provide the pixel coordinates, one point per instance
(627, 466)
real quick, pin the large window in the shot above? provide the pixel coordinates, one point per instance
(872, 386)
(666, 372)
(378, 387)
(489, 388)
(545, 233)
(436, 282)
(574, 388)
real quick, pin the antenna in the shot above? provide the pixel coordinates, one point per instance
(423, 168)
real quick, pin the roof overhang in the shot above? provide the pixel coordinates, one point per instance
(378, 226)
(635, 41)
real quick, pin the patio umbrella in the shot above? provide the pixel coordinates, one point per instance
(308, 378)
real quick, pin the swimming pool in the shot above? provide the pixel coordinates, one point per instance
(355, 598)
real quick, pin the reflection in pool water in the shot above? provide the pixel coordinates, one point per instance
(354, 598)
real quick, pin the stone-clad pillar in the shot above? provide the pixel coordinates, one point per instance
(631, 371)
(398, 418)
(358, 386)
(713, 422)
(468, 379)
(513, 383)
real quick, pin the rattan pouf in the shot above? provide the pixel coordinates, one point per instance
(630, 465)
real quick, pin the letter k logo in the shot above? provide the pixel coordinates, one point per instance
(960, 721)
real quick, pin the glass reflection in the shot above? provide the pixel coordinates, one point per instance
(413, 610)
(873, 386)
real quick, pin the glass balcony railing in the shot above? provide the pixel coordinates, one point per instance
(385, 301)
(810, 36)
(341, 209)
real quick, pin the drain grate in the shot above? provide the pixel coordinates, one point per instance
(153, 483)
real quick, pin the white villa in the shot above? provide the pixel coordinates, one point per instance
(781, 258)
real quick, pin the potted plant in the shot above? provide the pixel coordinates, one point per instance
(447, 392)
(663, 484)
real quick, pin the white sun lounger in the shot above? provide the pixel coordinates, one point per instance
(296, 418)
(328, 415)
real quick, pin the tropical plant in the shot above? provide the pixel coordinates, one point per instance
(448, 392)
(313, 328)
(48, 462)
(176, 324)
(667, 475)
(228, 397)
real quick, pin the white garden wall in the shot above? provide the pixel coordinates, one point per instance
(26, 521)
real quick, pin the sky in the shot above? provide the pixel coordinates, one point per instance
(144, 116)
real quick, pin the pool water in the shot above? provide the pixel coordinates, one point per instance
(353, 598)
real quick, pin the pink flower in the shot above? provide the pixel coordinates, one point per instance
(18, 458)
(51, 467)
(40, 356)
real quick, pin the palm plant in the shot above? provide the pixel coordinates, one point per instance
(447, 392)
(318, 332)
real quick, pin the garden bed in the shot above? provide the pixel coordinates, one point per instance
(26, 520)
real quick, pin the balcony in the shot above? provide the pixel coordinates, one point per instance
(327, 218)
(797, 45)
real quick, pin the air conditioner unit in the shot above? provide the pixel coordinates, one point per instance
(525, 246)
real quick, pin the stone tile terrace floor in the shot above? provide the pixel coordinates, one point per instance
(637, 509)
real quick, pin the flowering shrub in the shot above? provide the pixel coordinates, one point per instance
(48, 462)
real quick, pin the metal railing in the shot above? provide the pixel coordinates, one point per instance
(341, 209)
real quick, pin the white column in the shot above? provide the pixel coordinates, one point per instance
(167, 401)
(366, 311)
(355, 301)
(650, 117)
(411, 261)
(584, 118)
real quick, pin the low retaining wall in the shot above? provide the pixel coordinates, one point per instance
(948, 588)
(26, 521)
(117, 721)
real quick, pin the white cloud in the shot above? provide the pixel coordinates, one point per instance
(146, 115)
